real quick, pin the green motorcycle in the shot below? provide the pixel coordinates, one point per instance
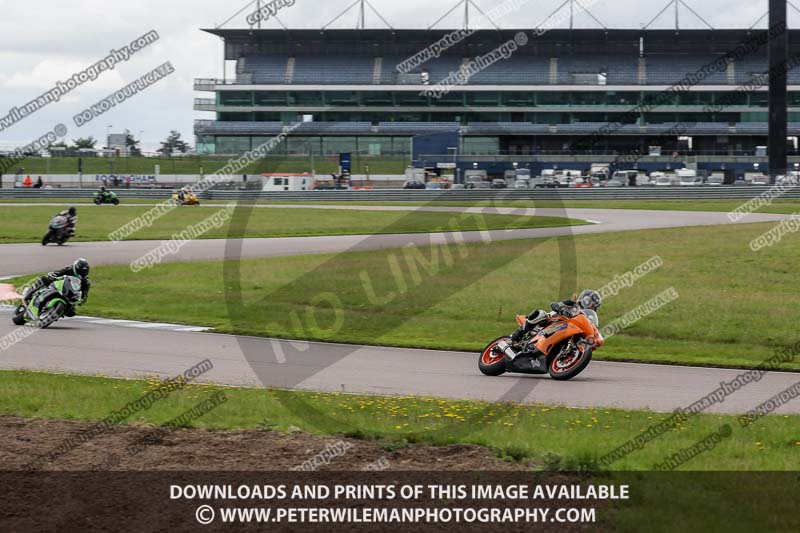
(50, 303)
(106, 197)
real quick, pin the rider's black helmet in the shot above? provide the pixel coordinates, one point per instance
(103, 188)
(81, 267)
(72, 211)
(590, 299)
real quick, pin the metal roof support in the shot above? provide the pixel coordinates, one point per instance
(236, 14)
(762, 17)
(363, 4)
(676, 4)
(467, 4)
(572, 14)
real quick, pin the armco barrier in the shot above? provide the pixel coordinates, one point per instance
(598, 194)
(55, 194)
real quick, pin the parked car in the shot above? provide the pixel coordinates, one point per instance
(522, 183)
(666, 180)
(414, 184)
(715, 180)
(587, 183)
(482, 185)
(436, 185)
(499, 184)
(689, 179)
(760, 180)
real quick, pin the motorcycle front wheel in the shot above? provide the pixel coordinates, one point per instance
(52, 315)
(568, 368)
(492, 363)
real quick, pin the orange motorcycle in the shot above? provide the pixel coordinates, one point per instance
(562, 347)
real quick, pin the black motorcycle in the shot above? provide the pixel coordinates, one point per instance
(58, 232)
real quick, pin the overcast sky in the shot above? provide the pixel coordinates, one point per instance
(47, 41)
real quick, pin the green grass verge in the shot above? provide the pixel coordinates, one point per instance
(205, 165)
(726, 315)
(554, 438)
(778, 206)
(29, 223)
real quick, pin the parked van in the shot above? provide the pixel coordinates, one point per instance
(664, 180)
(287, 182)
(689, 178)
(629, 178)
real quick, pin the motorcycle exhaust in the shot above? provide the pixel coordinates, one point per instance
(506, 349)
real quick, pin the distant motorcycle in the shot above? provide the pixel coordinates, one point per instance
(188, 199)
(561, 348)
(51, 303)
(106, 197)
(58, 232)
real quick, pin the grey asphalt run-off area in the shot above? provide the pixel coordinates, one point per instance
(84, 347)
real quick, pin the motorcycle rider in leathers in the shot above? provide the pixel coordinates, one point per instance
(539, 318)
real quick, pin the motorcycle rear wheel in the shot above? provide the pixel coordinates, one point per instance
(491, 363)
(18, 318)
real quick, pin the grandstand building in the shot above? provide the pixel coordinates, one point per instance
(548, 100)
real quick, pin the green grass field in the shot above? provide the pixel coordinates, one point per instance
(552, 438)
(778, 206)
(29, 223)
(206, 165)
(735, 307)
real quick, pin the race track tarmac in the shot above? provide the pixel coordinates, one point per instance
(20, 259)
(90, 347)
(77, 346)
